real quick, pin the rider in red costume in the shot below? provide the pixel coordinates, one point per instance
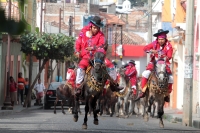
(71, 76)
(131, 73)
(161, 44)
(89, 41)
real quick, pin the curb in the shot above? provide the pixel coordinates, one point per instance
(174, 119)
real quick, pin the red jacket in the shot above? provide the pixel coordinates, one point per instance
(83, 42)
(131, 71)
(165, 51)
(108, 63)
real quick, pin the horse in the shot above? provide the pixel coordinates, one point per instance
(124, 95)
(107, 101)
(64, 92)
(157, 89)
(93, 85)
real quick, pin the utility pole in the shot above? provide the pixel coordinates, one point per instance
(149, 25)
(188, 72)
(41, 14)
(60, 20)
(7, 102)
(70, 25)
(58, 66)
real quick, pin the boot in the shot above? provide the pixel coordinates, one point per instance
(167, 99)
(142, 94)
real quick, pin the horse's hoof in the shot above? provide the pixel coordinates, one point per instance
(161, 124)
(54, 112)
(84, 126)
(64, 112)
(96, 122)
(146, 119)
(75, 119)
(126, 116)
(80, 112)
(117, 115)
(111, 115)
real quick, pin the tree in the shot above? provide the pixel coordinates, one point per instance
(10, 25)
(48, 46)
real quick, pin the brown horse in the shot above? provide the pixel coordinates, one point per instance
(107, 101)
(64, 92)
(157, 89)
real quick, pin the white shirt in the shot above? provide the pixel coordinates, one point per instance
(39, 87)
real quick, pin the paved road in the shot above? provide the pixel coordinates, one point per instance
(44, 121)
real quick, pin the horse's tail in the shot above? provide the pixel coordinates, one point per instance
(59, 95)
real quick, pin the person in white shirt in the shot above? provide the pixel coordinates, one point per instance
(39, 88)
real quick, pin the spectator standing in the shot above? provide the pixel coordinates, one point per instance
(21, 85)
(39, 88)
(13, 91)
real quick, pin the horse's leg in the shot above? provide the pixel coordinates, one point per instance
(146, 109)
(125, 108)
(154, 108)
(55, 103)
(87, 102)
(96, 121)
(76, 108)
(131, 107)
(161, 112)
(101, 106)
(62, 103)
(117, 106)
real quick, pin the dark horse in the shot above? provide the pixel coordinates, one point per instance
(107, 101)
(64, 92)
(157, 89)
(93, 84)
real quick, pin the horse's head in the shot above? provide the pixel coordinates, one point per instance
(161, 73)
(122, 75)
(99, 57)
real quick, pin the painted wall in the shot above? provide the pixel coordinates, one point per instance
(15, 51)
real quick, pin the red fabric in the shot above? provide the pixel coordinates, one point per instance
(150, 66)
(162, 36)
(170, 87)
(108, 63)
(167, 51)
(131, 72)
(101, 50)
(13, 86)
(72, 77)
(118, 78)
(83, 42)
(39, 95)
(144, 82)
(134, 91)
(84, 63)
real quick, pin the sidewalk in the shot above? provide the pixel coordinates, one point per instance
(17, 109)
(175, 115)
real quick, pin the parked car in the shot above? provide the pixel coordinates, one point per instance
(50, 96)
